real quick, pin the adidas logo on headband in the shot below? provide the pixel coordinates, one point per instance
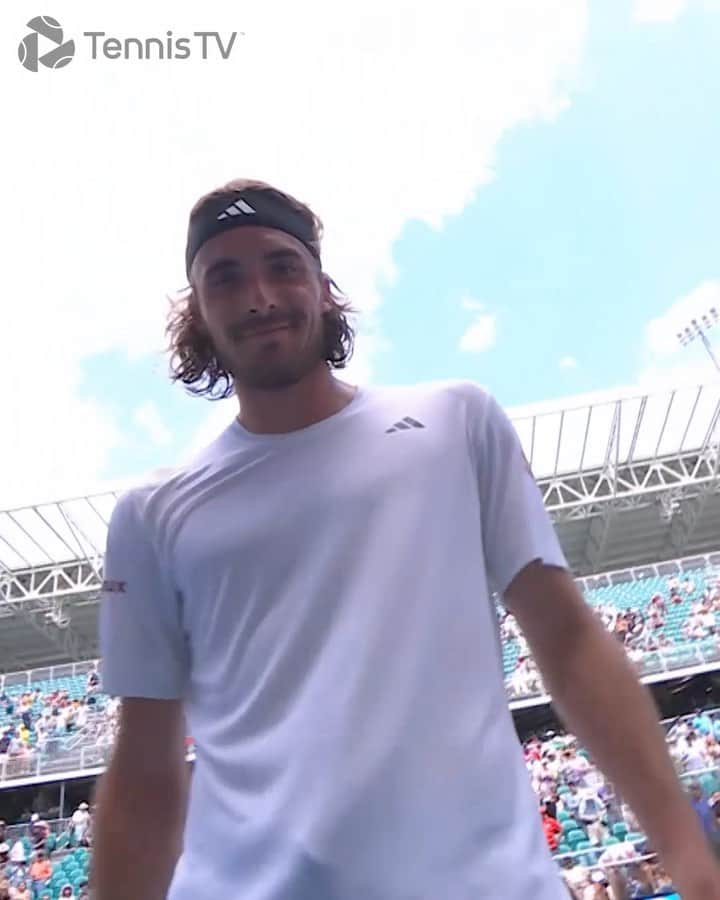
(238, 208)
(252, 207)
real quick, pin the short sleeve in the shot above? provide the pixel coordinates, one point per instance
(517, 529)
(142, 643)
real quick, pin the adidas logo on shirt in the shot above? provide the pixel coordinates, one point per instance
(405, 425)
(237, 208)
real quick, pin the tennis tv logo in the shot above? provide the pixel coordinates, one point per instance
(45, 35)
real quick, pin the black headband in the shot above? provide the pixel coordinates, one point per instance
(249, 207)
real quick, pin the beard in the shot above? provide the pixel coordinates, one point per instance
(266, 367)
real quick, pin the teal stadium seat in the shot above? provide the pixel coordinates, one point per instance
(710, 783)
(636, 595)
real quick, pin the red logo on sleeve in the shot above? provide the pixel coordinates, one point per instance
(114, 587)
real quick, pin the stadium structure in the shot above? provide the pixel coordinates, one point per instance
(632, 485)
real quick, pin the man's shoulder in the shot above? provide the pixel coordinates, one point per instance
(451, 394)
(449, 387)
(147, 501)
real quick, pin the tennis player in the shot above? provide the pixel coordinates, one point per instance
(311, 600)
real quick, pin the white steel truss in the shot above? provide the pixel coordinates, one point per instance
(591, 461)
(624, 451)
(583, 494)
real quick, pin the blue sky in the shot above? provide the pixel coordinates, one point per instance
(593, 225)
(581, 204)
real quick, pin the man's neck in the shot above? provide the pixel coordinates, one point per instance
(318, 396)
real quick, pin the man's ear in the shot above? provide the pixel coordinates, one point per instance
(327, 299)
(197, 316)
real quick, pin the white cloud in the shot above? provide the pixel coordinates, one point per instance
(375, 114)
(568, 362)
(481, 332)
(479, 335)
(658, 10)
(148, 418)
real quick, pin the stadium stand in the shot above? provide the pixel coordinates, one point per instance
(632, 486)
(588, 826)
(665, 623)
(658, 618)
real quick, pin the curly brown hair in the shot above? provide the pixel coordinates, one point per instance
(193, 360)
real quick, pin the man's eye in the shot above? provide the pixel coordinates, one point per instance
(226, 276)
(285, 268)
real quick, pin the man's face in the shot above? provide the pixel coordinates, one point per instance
(261, 297)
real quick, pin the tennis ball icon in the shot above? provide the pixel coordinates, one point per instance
(51, 30)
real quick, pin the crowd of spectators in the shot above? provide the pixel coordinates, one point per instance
(588, 827)
(36, 725)
(642, 630)
(591, 830)
(42, 864)
(39, 725)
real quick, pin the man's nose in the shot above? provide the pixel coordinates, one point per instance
(261, 296)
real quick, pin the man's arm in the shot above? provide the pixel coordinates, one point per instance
(601, 700)
(141, 804)
(145, 658)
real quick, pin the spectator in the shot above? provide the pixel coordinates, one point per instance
(695, 758)
(21, 892)
(657, 603)
(578, 770)
(40, 871)
(657, 620)
(598, 887)
(552, 829)
(16, 872)
(67, 892)
(39, 831)
(705, 813)
(80, 823)
(613, 808)
(571, 800)
(597, 832)
(591, 812)
(93, 681)
(576, 877)
(621, 628)
(17, 854)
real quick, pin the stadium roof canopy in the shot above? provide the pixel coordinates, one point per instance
(628, 481)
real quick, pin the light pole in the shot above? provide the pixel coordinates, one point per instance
(698, 329)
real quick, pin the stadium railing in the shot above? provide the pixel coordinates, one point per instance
(46, 673)
(64, 765)
(657, 665)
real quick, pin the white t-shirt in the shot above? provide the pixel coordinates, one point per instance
(80, 819)
(321, 602)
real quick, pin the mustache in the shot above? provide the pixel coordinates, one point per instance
(250, 324)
